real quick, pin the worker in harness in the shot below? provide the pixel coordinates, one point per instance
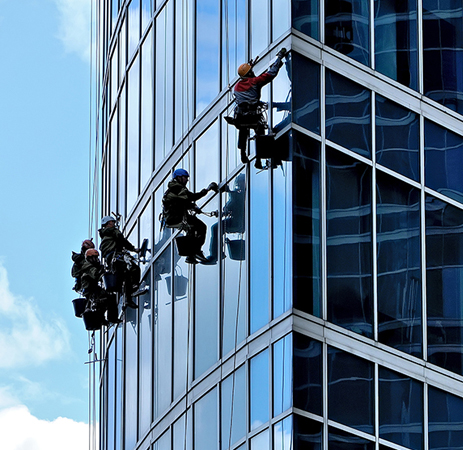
(97, 298)
(114, 249)
(249, 110)
(178, 208)
(78, 259)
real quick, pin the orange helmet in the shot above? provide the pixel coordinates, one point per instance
(88, 243)
(244, 69)
(91, 252)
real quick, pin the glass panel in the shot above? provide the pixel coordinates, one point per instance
(307, 374)
(160, 237)
(182, 439)
(114, 13)
(397, 138)
(281, 14)
(207, 157)
(282, 375)
(133, 134)
(234, 262)
(122, 51)
(162, 332)
(260, 26)
(111, 384)
(400, 409)
(119, 401)
(347, 28)
(349, 238)
(306, 98)
(134, 26)
(398, 262)
(114, 75)
(443, 52)
(443, 158)
(260, 252)
(340, 440)
(351, 392)
(259, 389)
(163, 443)
(306, 204)
(261, 441)
(131, 404)
(206, 422)
(282, 239)
(146, 10)
(146, 230)
(145, 358)
(396, 40)
(445, 420)
(348, 114)
(122, 198)
(307, 434)
(305, 17)
(281, 97)
(283, 434)
(113, 158)
(147, 94)
(207, 306)
(233, 399)
(207, 52)
(230, 155)
(444, 272)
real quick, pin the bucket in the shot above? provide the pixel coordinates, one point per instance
(186, 245)
(79, 306)
(93, 320)
(111, 282)
(237, 249)
(180, 285)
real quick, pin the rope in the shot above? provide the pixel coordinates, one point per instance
(90, 119)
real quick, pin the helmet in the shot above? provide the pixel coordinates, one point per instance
(244, 69)
(88, 243)
(180, 173)
(107, 219)
(91, 252)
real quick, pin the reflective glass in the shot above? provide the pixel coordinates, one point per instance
(305, 17)
(111, 385)
(260, 26)
(122, 197)
(233, 245)
(181, 289)
(145, 356)
(260, 252)
(349, 239)
(162, 332)
(113, 157)
(206, 314)
(206, 422)
(259, 389)
(306, 98)
(207, 52)
(146, 10)
(397, 138)
(307, 381)
(281, 17)
(230, 154)
(133, 134)
(146, 230)
(207, 158)
(396, 40)
(348, 114)
(182, 439)
(306, 228)
(282, 375)
(146, 121)
(119, 400)
(308, 434)
(282, 239)
(281, 96)
(341, 440)
(114, 75)
(233, 399)
(131, 394)
(114, 13)
(261, 441)
(283, 434)
(400, 409)
(445, 420)
(443, 52)
(444, 272)
(398, 263)
(351, 392)
(163, 443)
(122, 51)
(134, 25)
(347, 28)
(160, 237)
(443, 153)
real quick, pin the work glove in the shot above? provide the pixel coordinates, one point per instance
(213, 187)
(282, 53)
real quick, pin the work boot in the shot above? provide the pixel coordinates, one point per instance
(244, 157)
(230, 120)
(258, 164)
(190, 260)
(200, 257)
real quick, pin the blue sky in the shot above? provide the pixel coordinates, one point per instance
(44, 154)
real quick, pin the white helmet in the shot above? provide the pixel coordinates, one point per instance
(107, 219)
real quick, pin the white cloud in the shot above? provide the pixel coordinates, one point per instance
(20, 430)
(26, 336)
(75, 27)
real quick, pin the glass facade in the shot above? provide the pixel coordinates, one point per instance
(333, 319)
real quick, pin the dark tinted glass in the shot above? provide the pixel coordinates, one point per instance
(259, 389)
(396, 40)
(443, 52)
(348, 115)
(306, 201)
(349, 243)
(445, 420)
(398, 261)
(307, 434)
(397, 138)
(307, 374)
(444, 272)
(444, 159)
(400, 409)
(306, 98)
(305, 17)
(347, 28)
(340, 440)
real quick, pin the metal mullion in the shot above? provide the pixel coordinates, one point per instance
(376, 404)
(374, 218)
(323, 202)
(325, 394)
(423, 244)
(420, 47)
(372, 34)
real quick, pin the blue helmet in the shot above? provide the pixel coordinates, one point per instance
(180, 173)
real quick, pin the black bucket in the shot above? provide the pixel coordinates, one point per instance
(111, 282)
(186, 245)
(180, 285)
(79, 306)
(93, 320)
(237, 249)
